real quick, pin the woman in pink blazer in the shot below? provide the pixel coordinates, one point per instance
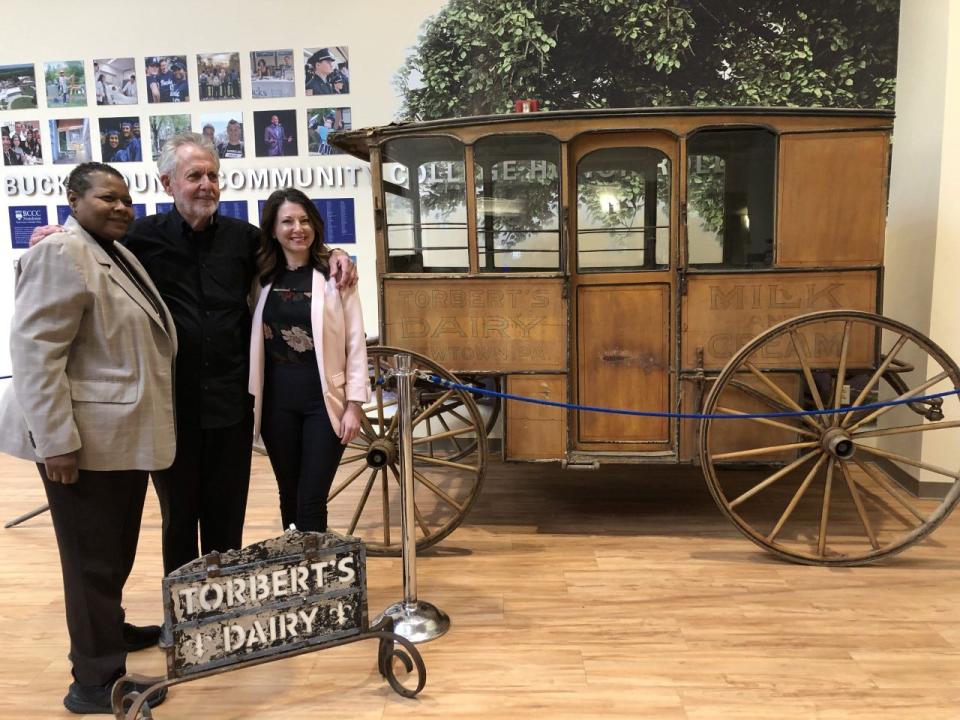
(308, 359)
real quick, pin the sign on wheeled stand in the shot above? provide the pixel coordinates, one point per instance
(275, 599)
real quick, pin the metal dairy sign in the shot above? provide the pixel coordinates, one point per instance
(294, 591)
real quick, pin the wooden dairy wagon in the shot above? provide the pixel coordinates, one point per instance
(715, 261)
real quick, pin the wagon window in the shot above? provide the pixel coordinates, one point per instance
(518, 201)
(730, 198)
(623, 210)
(426, 209)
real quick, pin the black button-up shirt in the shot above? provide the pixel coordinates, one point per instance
(204, 278)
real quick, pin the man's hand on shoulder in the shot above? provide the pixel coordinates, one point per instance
(42, 231)
(343, 269)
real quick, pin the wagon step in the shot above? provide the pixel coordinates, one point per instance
(580, 464)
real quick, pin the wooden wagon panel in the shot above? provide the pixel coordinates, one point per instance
(832, 199)
(479, 325)
(722, 313)
(536, 432)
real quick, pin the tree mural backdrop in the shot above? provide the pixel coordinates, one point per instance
(479, 56)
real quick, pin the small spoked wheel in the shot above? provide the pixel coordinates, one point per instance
(449, 459)
(834, 488)
(452, 414)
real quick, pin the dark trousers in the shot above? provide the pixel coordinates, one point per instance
(206, 486)
(303, 448)
(97, 524)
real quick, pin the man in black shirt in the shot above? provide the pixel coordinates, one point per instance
(204, 266)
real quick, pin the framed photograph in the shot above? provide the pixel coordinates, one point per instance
(272, 73)
(226, 132)
(219, 76)
(326, 70)
(275, 133)
(164, 127)
(66, 83)
(320, 123)
(70, 141)
(120, 139)
(18, 87)
(21, 143)
(167, 79)
(115, 81)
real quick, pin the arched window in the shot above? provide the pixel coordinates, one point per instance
(623, 210)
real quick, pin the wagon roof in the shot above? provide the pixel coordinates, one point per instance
(358, 142)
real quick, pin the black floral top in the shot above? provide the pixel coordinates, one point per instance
(287, 336)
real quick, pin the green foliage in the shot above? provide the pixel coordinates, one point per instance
(705, 194)
(479, 56)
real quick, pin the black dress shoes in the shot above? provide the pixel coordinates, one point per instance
(140, 637)
(95, 699)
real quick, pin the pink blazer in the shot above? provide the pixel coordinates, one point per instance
(339, 344)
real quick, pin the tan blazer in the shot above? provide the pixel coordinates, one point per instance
(92, 360)
(339, 344)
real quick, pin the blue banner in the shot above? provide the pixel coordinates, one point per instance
(235, 209)
(228, 208)
(23, 219)
(340, 227)
(63, 212)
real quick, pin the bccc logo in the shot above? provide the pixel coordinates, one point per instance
(28, 214)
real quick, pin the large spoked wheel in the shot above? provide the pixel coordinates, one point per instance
(834, 489)
(449, 459)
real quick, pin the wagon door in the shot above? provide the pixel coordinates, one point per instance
(622, 275)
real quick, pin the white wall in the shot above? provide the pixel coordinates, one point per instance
(922, 245)
(378, 34)
(945, 317)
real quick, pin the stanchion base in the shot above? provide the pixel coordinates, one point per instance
(416, 621)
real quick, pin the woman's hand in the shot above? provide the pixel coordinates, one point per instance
(62, 468)
(342, 269)
(42, 231)
(350, 423)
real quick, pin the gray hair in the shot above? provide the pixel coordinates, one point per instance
(167, 164)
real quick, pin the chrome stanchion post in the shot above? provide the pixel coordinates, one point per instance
(414, 619)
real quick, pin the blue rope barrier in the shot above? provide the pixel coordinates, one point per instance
(683, 416)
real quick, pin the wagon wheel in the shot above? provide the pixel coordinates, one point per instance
(834, 489)
(453, 415)
(450, 458)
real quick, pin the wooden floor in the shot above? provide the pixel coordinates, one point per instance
(616, 593)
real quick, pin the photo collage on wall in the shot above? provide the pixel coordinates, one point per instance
(167, 79)
(267, 129)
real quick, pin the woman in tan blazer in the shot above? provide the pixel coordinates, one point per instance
(91, 403)
(308, 359)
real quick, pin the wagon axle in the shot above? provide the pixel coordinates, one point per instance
(838, 443)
